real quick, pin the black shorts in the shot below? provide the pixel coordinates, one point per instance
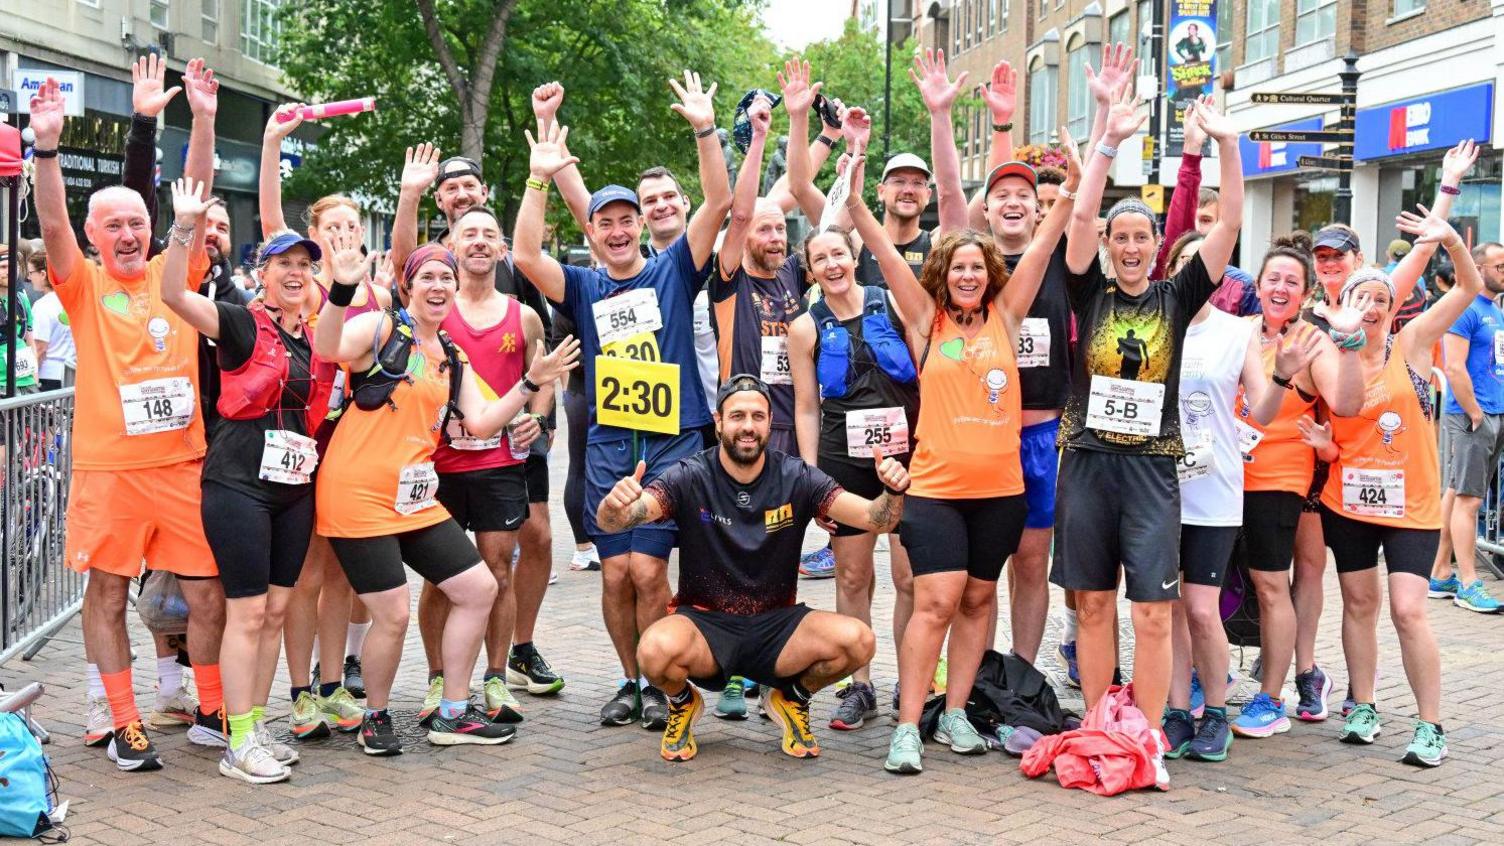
(1270, 519)
(537, 477)
(858, 479)
(1205, 552)
(257, 543)
(952, 535)
(1355, 545)
(437, 553)
(745, 645)
(1118, 511)
(489, 500)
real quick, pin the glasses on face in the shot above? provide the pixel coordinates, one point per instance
(1498, 268)
(915, 184)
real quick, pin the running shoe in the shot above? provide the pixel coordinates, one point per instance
(501, 705)
(131, 749)
(1157, 756)
(1213, 737)
(471, 727)
(905, 750)
(1444, 588)
(355, 680)
(793, 717)
(209, 729)
(378, 736)
(1067, 654)
(1262, 717)
(624, 706)
(678, 732)
(1198, 698)
(1362, 725)
(750, 689)
(1428, 748)
(526, 670)
(1180, 730)
(285, 755)
(942, 675)
(1348, 703)
(1313, 686)
(101, 722)
(252, 763)
(654, 709)
(341, 710)
(1475, 597)
(173, 709)
(731, 706)
(585, 559)
(858, 704)
(307, 721)
(553, 577)
(957, 732)
(431, 700)
(820, 564)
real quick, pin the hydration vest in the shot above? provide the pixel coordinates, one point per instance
(254, 389)
(372, 390)
(888, 348)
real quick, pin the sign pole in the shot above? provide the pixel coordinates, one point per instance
(1342, 206)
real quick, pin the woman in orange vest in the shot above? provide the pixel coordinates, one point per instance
(1384, 490)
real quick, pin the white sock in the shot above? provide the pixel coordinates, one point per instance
(96, 684)
(169, 673)
(355, 638)
(1070, 627)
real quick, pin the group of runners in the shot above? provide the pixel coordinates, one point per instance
(1024, 388)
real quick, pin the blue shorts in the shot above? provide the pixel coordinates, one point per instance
(606, 464)
(1041, 461)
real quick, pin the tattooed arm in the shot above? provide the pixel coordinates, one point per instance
(873, 515)
(628, 506)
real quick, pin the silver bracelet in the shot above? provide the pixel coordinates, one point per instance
(181, 234)
(1109, 152)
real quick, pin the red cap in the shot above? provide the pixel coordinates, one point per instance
(1021, 169)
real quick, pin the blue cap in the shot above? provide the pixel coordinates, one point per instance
(285, 241)
(612, 194)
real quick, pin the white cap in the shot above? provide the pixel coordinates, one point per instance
(905, 160)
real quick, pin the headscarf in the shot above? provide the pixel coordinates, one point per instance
(424, 254)
(1366, 274)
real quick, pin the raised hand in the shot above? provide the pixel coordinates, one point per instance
(1426, 227)
(386, 272)
(760, 114)
(798, 92)
(202, 88)
(548, 366)
(547, 98)
(549, 155)
(1349, 316)
(1317, 436)
(696, 104)
(1073, 166)
(148, 78)
(856, 128)
(1118, 70)
(420, 167)
(1213, 121)
(345, 260)
(279, 129)
(1123, 119)
(188, 201)
(1296, 351)
(1458, 161)
(1195, 135)
(47, 114)
(935, 85)
(1001, 94)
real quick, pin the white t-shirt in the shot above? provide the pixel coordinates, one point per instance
(705, 349)
(1211, 474)
(50, 326)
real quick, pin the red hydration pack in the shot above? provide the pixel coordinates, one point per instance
(254, 389)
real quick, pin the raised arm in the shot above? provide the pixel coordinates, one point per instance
(1454, 166)
(1081, 242)
(802, 337)
(915, 307)
(420, 167)
(1422, 333)
(547, 98)
(744, 201)
(333, 339)
(52, 200)
(1217, 249)
(202, 89)
(882, 513)
(269, 183)
(1118, 74)
(548, 157)
(189, 204)
(1001, 97)
(798, 96)
(1017, 297)
(484, 419)
(148, 99)
(1182, 215)
(939, 93)
(1294, 354)
(697, 107)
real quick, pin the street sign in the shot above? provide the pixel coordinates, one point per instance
(1328, 162)
(1153, 197)
(1286, 99)
(1324, 136)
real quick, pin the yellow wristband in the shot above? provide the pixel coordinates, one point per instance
(538, 185)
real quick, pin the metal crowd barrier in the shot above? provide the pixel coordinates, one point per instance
(38, 592)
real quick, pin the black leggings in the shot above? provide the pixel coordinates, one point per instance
(437, 553)
(256, 543)
(577, 413)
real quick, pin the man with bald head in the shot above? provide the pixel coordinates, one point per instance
(138, 442)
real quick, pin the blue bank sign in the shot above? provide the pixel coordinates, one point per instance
(1434, 122)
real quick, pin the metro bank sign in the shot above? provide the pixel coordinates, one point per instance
(1434, 122)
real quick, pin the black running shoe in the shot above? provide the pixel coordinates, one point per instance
(471, 727)
(355, 680)
(654, 709)
(377, 736)
(623, 707)
(131, 749)
(526, 670)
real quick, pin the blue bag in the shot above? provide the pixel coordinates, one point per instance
(25, 795)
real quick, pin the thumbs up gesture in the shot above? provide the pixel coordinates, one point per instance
(627, 490)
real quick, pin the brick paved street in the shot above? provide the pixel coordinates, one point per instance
(566, 779)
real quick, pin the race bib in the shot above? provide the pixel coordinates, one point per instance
(1125, 406)
(157, 405)
(775, 360)
(1248, 438)
(885, 430)
(1198, 460)
(639, 395)
(288, 457)
(26, 362)
(416, 488)
(461, 439)
(632, 313)
(1373, 493)
(1499, 349)
(1034, 342)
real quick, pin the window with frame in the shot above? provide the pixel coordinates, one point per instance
(1043, 94)
(1405, 7)
(1263, 31)
(1145, 17)
(982, 18)
(209, 22)
(1224, 35)
(1314, 20)
(1078, 100)
(159, 14)
(259, 28)
(1117, 28)
(992, 11)
(966, 25)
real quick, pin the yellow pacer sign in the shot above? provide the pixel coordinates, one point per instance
(640, 395)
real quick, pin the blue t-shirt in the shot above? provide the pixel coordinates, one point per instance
(1483, 327)
(675, 279)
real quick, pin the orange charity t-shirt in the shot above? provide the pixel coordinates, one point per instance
(136, 400)
(1280, 461)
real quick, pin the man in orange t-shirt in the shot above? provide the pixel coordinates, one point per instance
(138, 436)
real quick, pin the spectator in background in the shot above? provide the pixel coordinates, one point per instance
(50, 333)
(1443, 277)
(1398, 249)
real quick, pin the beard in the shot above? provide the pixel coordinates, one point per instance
(743, 455)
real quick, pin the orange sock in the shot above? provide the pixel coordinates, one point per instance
(211, 697)
(122, 696)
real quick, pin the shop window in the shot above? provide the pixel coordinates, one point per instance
(1263, 30)
(1475, 213)
(1315, 20)
(1044, 88)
